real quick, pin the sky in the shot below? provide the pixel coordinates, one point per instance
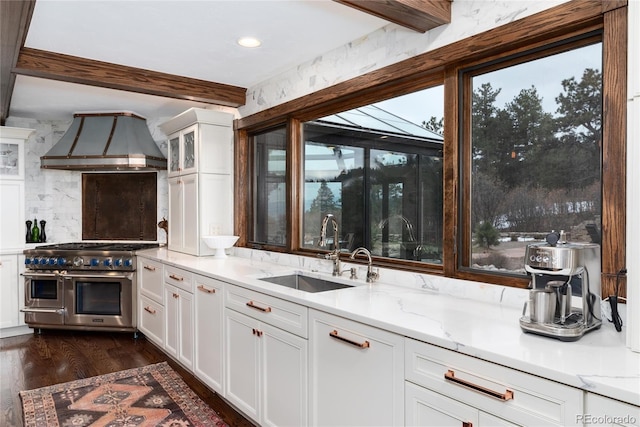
(545, 74)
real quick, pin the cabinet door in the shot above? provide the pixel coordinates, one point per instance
(9, 288)
(242, 359)
(174, 154)
(189, 148)
(426, 408)
(208, 332)
(357, 373)
(190, 229)
(179, 324)
(609, 412)
(284, 378)
(176, 216)
(151, 319)
(150, 280)
(12, 220)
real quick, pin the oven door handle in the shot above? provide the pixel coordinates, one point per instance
(31, 275)
(42, 310)
(96, 276)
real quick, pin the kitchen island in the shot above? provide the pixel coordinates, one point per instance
(477, 321)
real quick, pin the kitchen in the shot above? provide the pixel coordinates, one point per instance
(46, 188)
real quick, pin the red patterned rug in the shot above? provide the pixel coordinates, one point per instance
(153, 395)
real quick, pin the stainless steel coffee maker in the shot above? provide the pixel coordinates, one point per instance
(564, 300)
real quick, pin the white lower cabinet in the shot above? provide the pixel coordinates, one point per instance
(179, 316)
(475, 392)
(603, 411)
(357, 373)
(208, 345)
(266, 367)
(11, 295)
(151, 319)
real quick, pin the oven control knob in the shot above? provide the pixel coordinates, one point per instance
(28, 261)
(61, 261)
(36, 261)
(78, 261)
(94, 262)
(107, 262)
(119, 262)
(127, 262)
(49, 261)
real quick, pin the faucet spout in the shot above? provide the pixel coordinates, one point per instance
(371, 275)
(335, 254)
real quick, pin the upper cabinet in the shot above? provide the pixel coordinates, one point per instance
(12, 213)
(200, 141)
(12, 152)
(200, 178)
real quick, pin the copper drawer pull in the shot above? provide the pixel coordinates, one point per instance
(207, 290)
(149, 310)
(252, 305)
(450, 376)
(176, 295)
(334, 334)
(150, 268)
(178, 278)
(467, 424)
(257, 332)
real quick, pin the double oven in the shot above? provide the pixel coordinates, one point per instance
(88, 286)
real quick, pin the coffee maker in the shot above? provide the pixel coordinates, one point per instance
(564, 300)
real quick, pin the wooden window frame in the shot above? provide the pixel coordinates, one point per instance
(442, 66)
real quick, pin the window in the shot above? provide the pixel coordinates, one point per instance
(270, 187)
(380, 175)
(534, 160)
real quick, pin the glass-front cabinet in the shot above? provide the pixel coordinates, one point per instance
(183, 152)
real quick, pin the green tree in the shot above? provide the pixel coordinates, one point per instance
(486, 235)
(434, 125)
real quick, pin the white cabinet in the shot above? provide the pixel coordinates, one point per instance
(178, 306)
(454, 387)
(200, 178)
(603, 411)
(266, 366)
(9, 292)
(209, 344)
(357, 374)
(151, 300)
(12, 196)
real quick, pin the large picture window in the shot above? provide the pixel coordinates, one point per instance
(534, 163)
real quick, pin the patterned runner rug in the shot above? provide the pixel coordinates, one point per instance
(153, 395)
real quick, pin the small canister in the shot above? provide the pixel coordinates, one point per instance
(542, 304)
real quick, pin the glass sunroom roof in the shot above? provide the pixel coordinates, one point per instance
(375, 119)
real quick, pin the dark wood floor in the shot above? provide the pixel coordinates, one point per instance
(38, 360)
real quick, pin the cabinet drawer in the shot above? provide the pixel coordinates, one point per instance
(277, 312)
(179, 278)
(504, 392)
(151, 320)
(604, 411)
(150, 278)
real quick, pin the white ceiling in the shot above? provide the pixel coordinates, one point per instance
(189, 38)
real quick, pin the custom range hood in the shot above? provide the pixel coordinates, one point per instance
(105, 142)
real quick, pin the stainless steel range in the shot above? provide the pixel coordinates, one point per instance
(87, 285)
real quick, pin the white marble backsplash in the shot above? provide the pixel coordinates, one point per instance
(513, 297)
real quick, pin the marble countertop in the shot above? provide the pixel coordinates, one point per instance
(599, 362)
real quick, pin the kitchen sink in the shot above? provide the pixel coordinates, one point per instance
(305, 283)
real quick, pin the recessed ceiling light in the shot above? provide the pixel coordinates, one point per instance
(249, 42)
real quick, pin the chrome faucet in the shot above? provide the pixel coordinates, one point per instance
(371, 275)
(335, 254)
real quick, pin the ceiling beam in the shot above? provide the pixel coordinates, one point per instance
(73, 69)
(15, 17)
(418, 15)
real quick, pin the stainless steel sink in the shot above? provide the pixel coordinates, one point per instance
(305, 283)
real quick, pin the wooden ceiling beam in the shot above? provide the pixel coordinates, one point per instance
(15, 17)
(73, 69)
(418, 15)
